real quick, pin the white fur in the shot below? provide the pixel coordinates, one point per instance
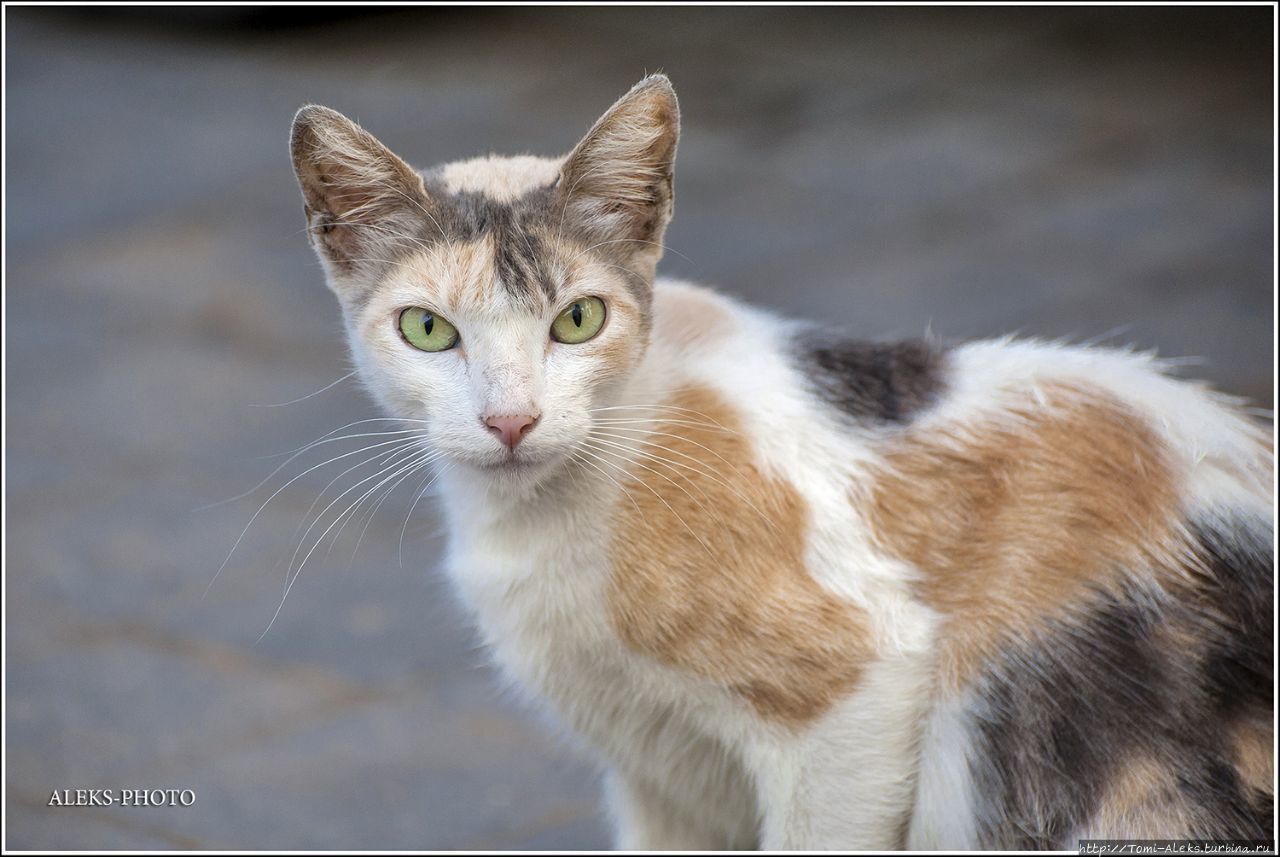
(501, 179)
(944, 815)
(849, 780)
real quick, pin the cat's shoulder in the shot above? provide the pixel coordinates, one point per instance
(691, 316)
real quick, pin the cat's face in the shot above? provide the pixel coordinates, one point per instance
(499, 301)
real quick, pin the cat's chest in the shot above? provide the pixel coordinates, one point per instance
(539, 595)
(543, 604)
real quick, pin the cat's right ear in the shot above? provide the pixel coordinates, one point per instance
(361, 201)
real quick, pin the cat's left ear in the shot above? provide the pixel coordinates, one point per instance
(617, 182)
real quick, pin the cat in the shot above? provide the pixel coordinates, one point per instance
(791, 590)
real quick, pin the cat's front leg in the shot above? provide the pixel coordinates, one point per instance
(645, 819)
(847, 781)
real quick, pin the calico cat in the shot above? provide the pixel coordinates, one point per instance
(795, 591)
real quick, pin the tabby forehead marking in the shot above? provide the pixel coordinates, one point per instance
(535, 245)
(734, 603)
(1010, 519)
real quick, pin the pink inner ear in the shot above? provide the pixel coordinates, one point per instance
(359, 200)
(344, 195)
(619, 176)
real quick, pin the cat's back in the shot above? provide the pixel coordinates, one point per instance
(892, 397)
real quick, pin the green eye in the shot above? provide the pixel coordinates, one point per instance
(581, 321)
(426, 331)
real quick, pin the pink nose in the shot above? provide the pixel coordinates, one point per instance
(511, 429)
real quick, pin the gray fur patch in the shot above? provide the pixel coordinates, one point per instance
(1062, 717)
(884, 382)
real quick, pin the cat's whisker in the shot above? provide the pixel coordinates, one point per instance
(600, 437)
(686, 439)
(392, 460)
(664, 247)
(620, 423)
(293, 454)
(386, 458)
(598, 445)
(607, 446)
(320, 442)
(405, 441)
(347, 426)
(373, 512)
(573, 477)
(643, 447)
(328, 386)
(384, 466)
(408, 473)
(656, 407)
(598, 455)
(660, 498)
(649, 406)
(293, 578)
(396, 475)
(379, 459)
(419, 493)
(390, 262)
(660, 415)
(576, 457)
(674, 419)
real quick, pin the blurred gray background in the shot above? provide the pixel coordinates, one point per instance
(1058, 172)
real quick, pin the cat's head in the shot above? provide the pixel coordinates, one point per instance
(499, 300)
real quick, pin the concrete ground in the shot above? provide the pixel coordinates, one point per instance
(1058, 172)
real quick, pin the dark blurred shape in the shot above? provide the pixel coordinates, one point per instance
(237, 22)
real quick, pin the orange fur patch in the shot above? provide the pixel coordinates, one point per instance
(1142, 802)
(709, 573)
(1011, 519)
(1253, 747)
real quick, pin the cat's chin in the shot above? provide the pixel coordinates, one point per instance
(515, 469)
